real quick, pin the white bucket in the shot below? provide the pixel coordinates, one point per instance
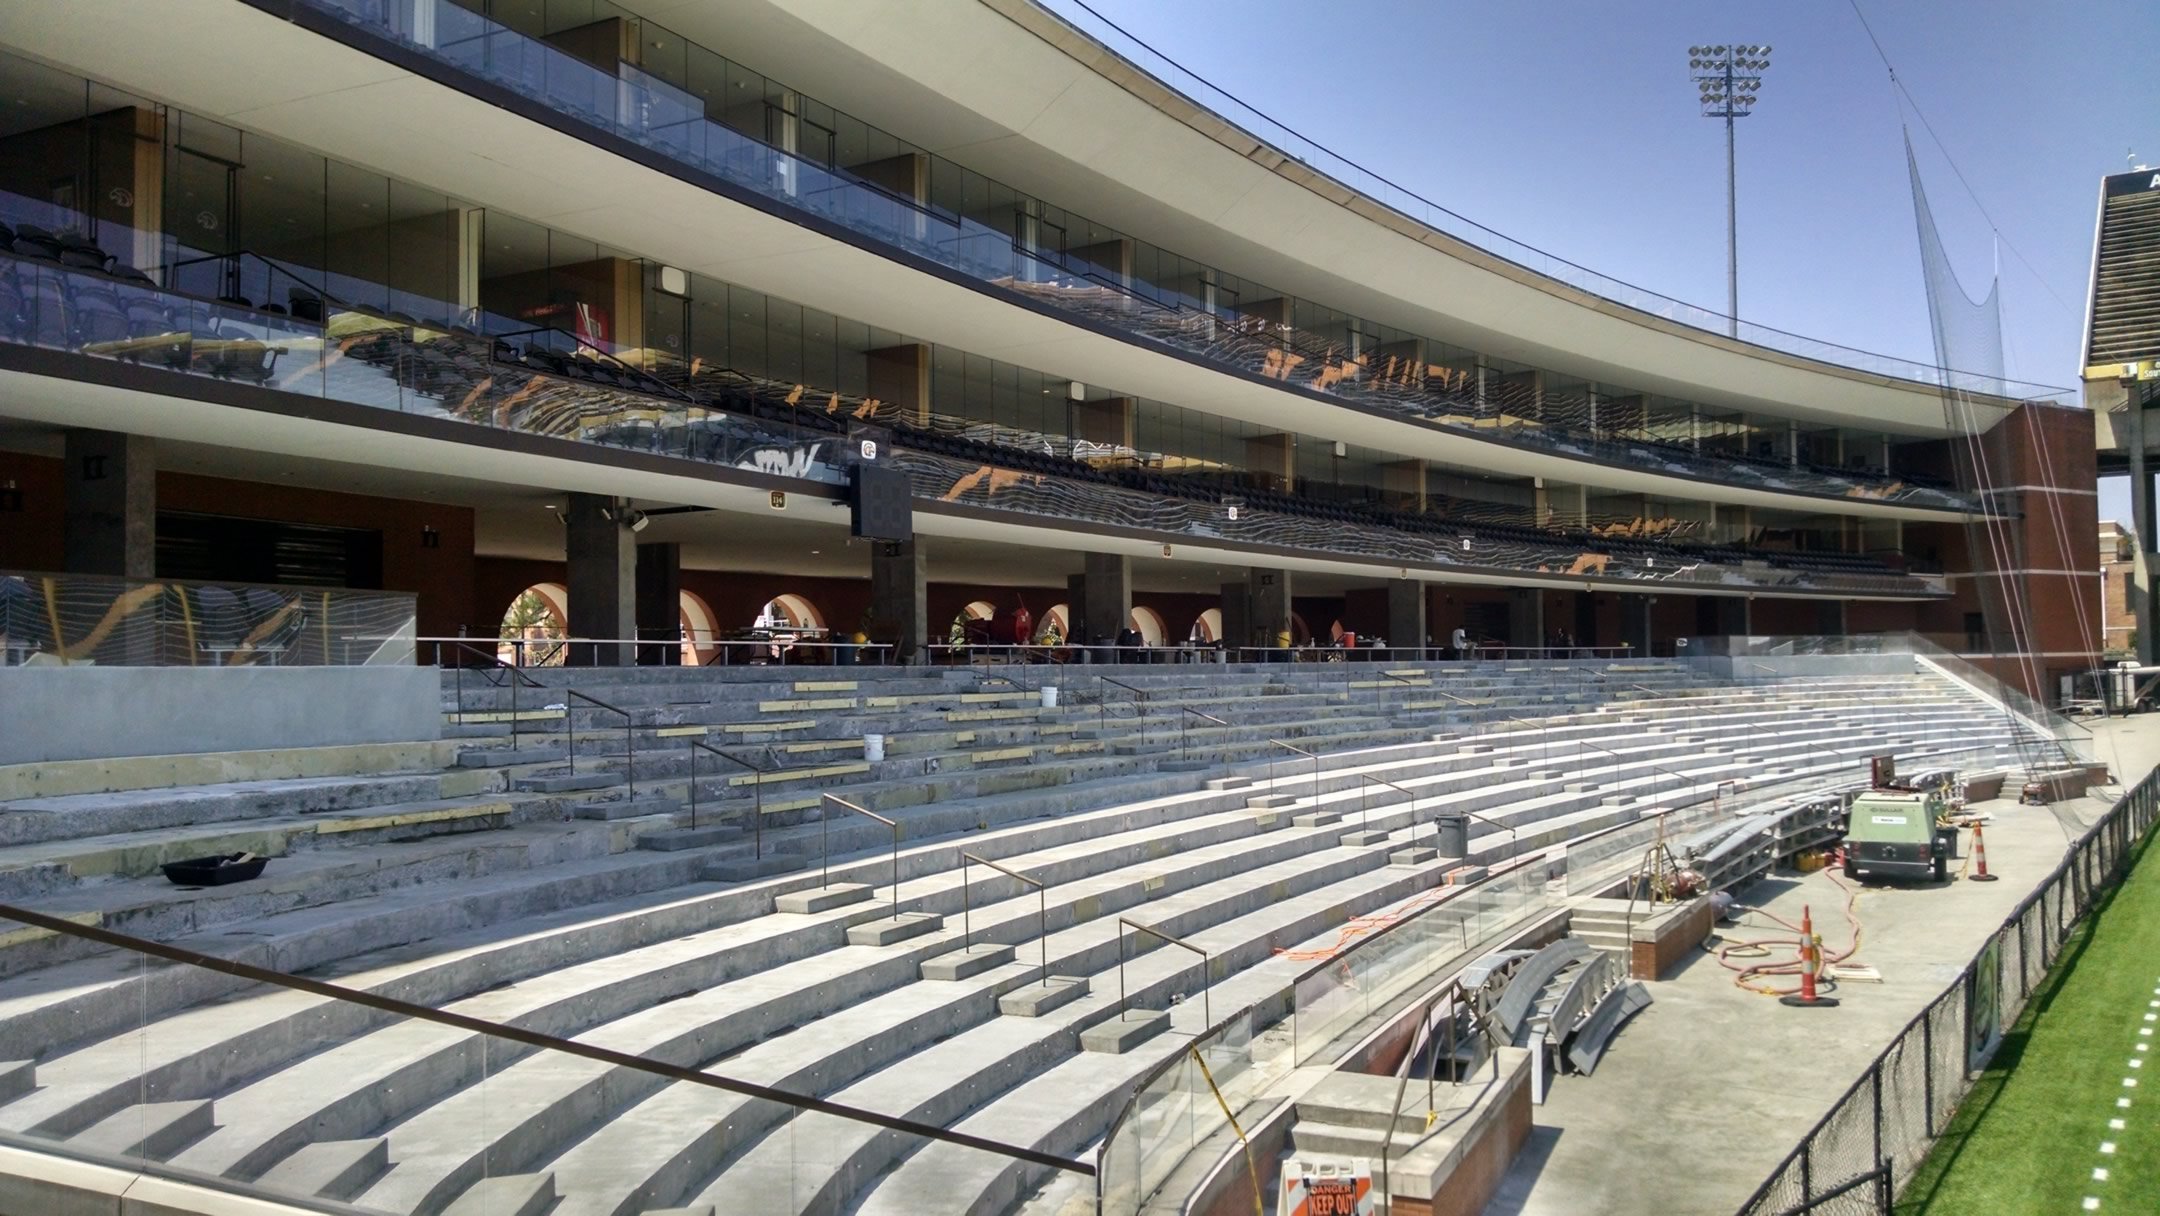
(873, 747)
(1049, 696)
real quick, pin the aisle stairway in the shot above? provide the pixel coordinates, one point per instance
(562, 925)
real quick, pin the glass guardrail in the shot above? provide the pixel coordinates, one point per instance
(362, 359)
(635, 105)
(62, 619)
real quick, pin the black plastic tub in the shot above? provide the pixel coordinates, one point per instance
(215, 870)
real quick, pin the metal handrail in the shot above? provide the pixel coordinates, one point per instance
(1139, 697)
(512, 676)
(825, 833)
(629, 740)
(1042, 911)
(1207, 1009)
(757, 792)
(1313, 756)
(1207, 717)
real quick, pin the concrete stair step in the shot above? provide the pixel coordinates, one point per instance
(517, 1195)
(330, 1169)
(73, 816)
(140, 854)
(154, 1129)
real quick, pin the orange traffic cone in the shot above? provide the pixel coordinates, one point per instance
(1980, 873)
(1810, 965)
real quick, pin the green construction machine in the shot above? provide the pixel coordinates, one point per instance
(1898, 828)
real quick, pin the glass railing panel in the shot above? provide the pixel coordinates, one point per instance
(110, 621)
(361, 358)
(634, 104)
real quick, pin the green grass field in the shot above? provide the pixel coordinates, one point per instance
(2030, 1134)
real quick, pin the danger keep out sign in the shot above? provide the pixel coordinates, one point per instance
(1327, 1188)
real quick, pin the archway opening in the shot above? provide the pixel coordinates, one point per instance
(533, 627)
(1055, 627)
(1149, 624)
(1207, 627)
(789, 611)
(700, 629)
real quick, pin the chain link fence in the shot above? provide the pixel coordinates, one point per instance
(1878, 1131)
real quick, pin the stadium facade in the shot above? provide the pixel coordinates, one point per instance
(613, 302)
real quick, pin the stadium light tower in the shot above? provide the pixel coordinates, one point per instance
(1728, 78)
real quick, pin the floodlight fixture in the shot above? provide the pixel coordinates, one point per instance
(1727, 78)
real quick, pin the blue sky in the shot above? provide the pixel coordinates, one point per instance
(1572, 125)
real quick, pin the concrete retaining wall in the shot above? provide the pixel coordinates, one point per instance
(79, 713)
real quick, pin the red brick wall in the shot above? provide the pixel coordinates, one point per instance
(442, 578)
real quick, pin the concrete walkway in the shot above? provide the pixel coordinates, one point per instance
(1705, 1092)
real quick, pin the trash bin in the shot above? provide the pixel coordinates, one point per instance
(873, 748)
(1454, 835)
(1049, 696)
(1946, 838)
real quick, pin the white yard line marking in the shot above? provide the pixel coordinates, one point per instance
(2115, 1125)
(2092, 1203)
(2099, 1174)
(2107, 1147)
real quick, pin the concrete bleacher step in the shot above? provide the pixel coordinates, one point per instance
(17, 1077)
(70, 816)
(137, 854)
(516, 1195)
(152, 1129)
(1245, 866)
(330, 1169)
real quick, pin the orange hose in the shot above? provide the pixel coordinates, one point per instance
(1748, 976)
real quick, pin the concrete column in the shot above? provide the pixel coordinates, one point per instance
(602, 577)
(1405, 612)
(1268, 605)
(1829, 618)
(1732, 614)
(110, 505)
(1236, 616)
(659, 603)
(1076, 623)
(1635, 623)
(2142, 511)
(899, 598)
(1526, 616)
(1108, 592)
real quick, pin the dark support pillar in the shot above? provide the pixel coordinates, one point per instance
(2142, 521)
(1108, 592)
(659, 603)
(1076, 622)
(899, 600)
(1405, 612)
(1236, 617)
(1635, 623)
(1526, 617)
(1732, 614)
(1268, 606)
(603, 578)
(1830, 618)
(110, 525)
